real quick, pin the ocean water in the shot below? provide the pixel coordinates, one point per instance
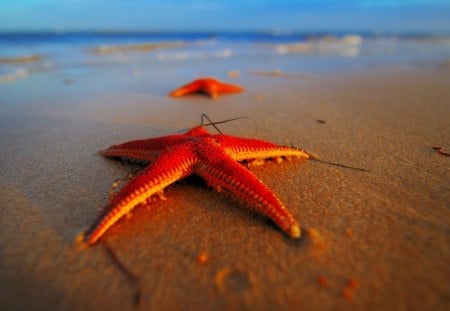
(28, 54)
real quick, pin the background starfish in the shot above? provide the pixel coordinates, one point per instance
(213, 157)
(209, 86)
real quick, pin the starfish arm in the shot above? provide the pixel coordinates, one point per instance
(189, 88)
(214, 88)
(174, 164)
(241, 149)
(143, 149)
(220, 171)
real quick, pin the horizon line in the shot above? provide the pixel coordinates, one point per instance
(273, 32)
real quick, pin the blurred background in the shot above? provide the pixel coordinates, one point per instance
(376, 16)
(288, 35)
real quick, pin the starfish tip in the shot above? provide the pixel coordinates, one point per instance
(105, 152)
(80, 241)
(175, 93)
(295, 232)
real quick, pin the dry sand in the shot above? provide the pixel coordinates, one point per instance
(371, 240)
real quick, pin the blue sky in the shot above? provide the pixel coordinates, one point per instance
(209, 15)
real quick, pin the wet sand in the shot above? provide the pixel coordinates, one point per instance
(371, 240)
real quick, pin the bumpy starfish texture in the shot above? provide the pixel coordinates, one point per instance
(209, 86)
(214, 157)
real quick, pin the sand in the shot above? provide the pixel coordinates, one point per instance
(371, 240)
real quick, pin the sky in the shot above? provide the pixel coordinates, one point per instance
(415, 16)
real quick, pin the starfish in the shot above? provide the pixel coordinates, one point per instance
(214, 157)
(208, 86)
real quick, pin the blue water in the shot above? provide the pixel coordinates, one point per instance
(297, 52)
(82, 38)
(87, 38)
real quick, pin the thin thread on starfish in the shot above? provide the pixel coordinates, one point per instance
(214, 123)
(314, 158)
(339, 165)
(205, 116)
(229, 120)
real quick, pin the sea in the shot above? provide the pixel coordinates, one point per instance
(25, 54)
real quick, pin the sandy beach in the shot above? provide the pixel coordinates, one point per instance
(376, 239)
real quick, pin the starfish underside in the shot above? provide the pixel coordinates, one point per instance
(209, 86)
(214, 157)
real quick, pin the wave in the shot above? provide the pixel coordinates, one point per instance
(183, 55)
(139, 47)
(21, 59)
(18, 73)
(348, 45)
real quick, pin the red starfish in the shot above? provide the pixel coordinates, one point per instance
(213, 157)
(209, 86)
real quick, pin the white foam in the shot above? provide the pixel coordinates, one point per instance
(18, 73)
